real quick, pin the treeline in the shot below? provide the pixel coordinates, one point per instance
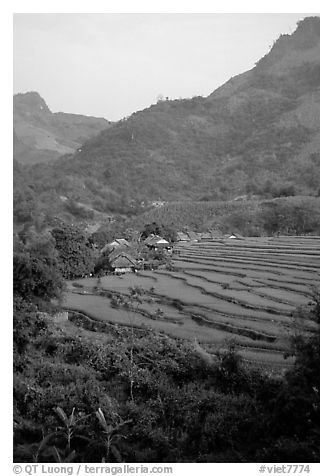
(288, 215)
(285, 216)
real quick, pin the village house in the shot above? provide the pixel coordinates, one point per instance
(233, 236)
(193, 236)
(119, 242)
(122, 263)
(181, 236)
(156, 242)
(206, 236)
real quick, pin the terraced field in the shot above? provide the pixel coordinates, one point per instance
(242, 291)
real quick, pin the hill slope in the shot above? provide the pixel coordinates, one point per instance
(256, 136)
(40, 135)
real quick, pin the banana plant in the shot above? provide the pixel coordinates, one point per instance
(111, 435)
(70, 425)
(41, 447)
(60, 459)
(36, 449)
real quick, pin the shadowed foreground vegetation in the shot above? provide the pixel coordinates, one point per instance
(91, 392)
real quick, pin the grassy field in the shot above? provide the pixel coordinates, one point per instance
(241, 291)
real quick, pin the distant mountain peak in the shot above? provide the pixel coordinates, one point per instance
(307, 26)
(31, 102)
(41, 135)
(289, 52)
(305, 37)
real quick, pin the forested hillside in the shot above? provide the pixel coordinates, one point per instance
(255, 137)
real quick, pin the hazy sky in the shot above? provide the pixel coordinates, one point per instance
(112, 65)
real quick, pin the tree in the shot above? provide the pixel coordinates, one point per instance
(296, 407)
(292, 216)
(26, 325)
(24, 204)
(164, 231)
(76, 256)
(36, 271)
(306, 347)
(33, 277)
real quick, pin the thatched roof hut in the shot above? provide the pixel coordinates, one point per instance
(181, 236)
(122, 263)
(155, 241)
(119, 242)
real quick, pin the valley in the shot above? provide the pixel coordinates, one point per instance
(166, 266)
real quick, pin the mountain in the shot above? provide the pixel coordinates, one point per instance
(40, 135)
(257, 136)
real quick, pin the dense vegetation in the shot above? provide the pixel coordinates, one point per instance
(286, 216)
(292, 215)
(76, 256)
(161, 400)
(62, 251)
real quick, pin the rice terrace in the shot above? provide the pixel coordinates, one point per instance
(239, 291)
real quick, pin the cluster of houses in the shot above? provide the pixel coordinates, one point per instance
(121, 256)
(213, 235)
